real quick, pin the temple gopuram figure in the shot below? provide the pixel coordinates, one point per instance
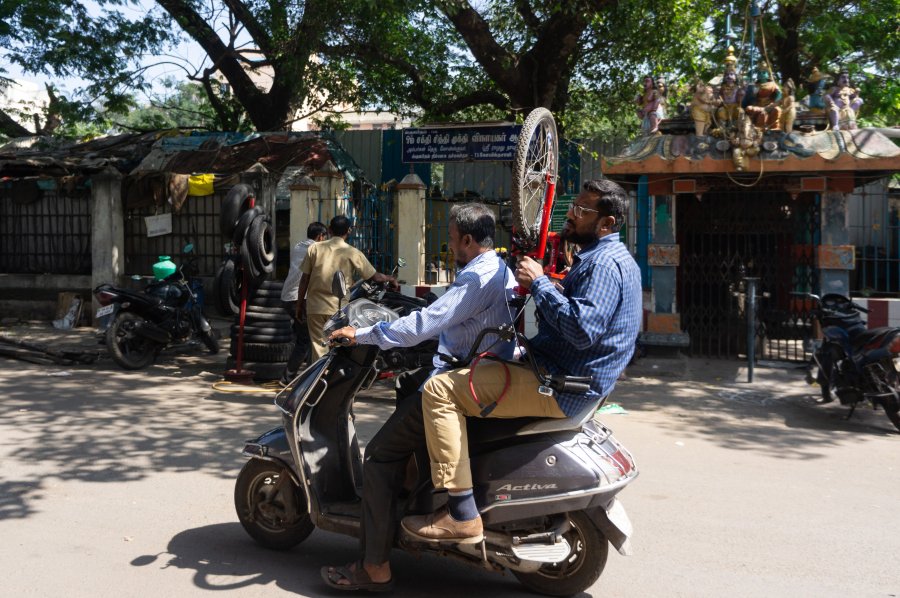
(815, 87)
(842, 103)
(702, 107)
(730, 93)
(762, 101)
(650, 104)
(788, 106)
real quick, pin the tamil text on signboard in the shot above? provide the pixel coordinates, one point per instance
(460, 144)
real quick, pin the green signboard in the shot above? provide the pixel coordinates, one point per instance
(558, 214)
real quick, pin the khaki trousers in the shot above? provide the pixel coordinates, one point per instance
(446, 401)
(316, 323)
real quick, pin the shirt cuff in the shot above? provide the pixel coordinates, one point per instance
(541, 285)
(364, 334)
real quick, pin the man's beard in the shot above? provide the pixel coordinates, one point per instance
(569, 234)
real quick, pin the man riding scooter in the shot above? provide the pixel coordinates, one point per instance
(587, 329)
(476, 300)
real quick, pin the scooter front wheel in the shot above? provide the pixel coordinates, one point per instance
(270, 507)
(580, 569)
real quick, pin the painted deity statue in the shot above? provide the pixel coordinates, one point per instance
(662, 88)
(702, 107)
(815, 88)
(788, 106)
(763, 101)
(729, 97)
(650, 107)
(842, 103)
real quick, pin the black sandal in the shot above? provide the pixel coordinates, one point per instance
(357, 576)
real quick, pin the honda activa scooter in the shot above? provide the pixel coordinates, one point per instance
(546, 488)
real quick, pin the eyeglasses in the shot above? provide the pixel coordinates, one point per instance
(578, 210)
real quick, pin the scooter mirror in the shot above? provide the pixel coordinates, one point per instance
(189, 248)
(401, 263)
(339, 285)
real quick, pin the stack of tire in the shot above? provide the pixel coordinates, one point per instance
(268, 338)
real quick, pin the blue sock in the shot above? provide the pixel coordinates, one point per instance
(462, 505)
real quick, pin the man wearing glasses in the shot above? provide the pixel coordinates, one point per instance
(587, 327)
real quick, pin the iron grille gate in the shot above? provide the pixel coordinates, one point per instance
(735, 234)
(373, 231)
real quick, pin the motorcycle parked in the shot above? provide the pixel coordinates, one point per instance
(137, 325)
(546, 488)
(853, 363)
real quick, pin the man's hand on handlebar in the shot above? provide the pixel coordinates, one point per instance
(527, 271)
(345, 336)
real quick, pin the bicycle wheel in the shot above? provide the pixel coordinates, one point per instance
(534, 168)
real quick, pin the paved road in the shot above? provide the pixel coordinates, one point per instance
(120, 484)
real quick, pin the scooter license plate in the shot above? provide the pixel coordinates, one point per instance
(106, 310)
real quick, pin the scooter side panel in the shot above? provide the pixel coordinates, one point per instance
(552, 473)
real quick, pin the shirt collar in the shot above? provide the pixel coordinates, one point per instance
(479, 258)
(594, 247)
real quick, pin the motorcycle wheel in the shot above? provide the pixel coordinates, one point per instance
(892, 404)
(127, 349)
(580, 569)
(270, 507)
(209, 341)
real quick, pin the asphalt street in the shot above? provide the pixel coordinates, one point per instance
(116, 483)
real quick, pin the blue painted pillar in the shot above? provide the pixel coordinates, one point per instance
(663, 257)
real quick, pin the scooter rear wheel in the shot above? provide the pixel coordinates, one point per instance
(577, 572)
(270, 507)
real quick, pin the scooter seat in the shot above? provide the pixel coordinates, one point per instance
(876, 336)
(482, 430)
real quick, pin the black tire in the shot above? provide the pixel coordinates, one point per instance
(270, 507)
(227, 289)
(580, 569)
(272, 285)
(243, 225)
(236, 201)
(255, 318)
(255, 276)
(262, 330)
(263, 339)
(265, 309)
(537, 156)
(264, 352)
(261, 244)
(267, 301)
(207, 336)
(129, 350)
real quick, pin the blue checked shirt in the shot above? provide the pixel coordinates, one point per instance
(477, 299)
(590, 328)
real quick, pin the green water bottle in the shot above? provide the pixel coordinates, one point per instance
(164, 267)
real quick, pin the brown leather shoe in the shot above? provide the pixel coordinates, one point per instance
(441, 527)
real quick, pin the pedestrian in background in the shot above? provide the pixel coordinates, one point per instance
(315, 302)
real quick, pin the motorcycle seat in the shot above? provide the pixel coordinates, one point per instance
(876, 336)
(482, 430)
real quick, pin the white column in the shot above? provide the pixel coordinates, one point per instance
(304, 198)
(411, 228)
(107, 230)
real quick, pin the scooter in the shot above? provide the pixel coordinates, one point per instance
(546, 488)
(853, 363)
(137, 325)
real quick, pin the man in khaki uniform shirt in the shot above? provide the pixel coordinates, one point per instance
(322, 261)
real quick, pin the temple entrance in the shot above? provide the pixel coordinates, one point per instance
(730, 234)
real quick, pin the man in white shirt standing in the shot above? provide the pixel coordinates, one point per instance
(315, 232)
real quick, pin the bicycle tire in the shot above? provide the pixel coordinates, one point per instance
(537, 156)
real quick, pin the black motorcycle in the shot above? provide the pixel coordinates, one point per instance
(546, 488)
(137, 325)
(853, 363)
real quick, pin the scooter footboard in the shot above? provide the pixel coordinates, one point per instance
(613, 521)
